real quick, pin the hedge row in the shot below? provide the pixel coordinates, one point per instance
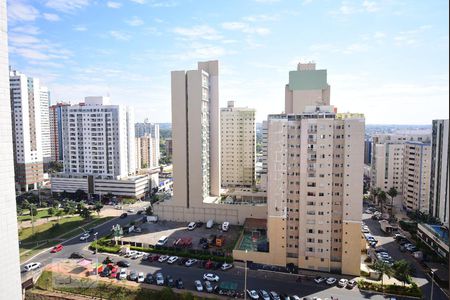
(413, 290)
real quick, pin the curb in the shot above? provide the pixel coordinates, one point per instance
(388, 294)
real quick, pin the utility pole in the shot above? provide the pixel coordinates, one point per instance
(432, 284)
(245, 276)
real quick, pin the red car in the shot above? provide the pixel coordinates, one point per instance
(155, 257)
(114, 271)
(57, 248)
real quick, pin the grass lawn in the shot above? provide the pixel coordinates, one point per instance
(41, 213)
(67, 228)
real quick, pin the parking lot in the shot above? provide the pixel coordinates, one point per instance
(152, 232)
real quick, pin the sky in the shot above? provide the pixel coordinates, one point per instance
(387, 59)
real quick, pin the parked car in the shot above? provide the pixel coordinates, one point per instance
(76, 255)
(162, 241)
(190, 262)
(179, 284)
(191, 226)
(208, 286)
(343, 282)
(351, 284)
(140, 277)
(198, 286)
(57, 248)
(123, 216)
(163, 258)
(123, 263)
(123, 274)
(130, 210)
(130, 253)
(211, 277)
(210, 224)
(274, 295)
(149, 278)
(252, 294)
(159, 279)
(320, 279)
(170, 282)
(172, 259)
(331, 280)
(114, 272)
(225, 226)
(199, 224)
(226, 266)
(133, 276)
(106, 272)
(84, 236)
(32, 266)
(264, 295)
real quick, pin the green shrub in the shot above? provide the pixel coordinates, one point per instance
(191, 253)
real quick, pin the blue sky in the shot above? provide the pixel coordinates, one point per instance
(387, 59)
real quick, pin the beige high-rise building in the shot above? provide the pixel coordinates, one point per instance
(314, 192)
(195, 134)
(146, 156)
(10, 285)
(238, 146)
(416, 176)
(307, 86)
(387, 157)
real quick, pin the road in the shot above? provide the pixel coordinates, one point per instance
(387, 242)
(256, 279)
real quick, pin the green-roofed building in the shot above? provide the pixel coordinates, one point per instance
(307, 87)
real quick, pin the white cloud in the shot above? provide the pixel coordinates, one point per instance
(119, 35)
(51, 17)
(245, 28)
(410, 37)
(164, 4)
(112, 4)
(19, 11)
(135, 21)
(23, 39)
(370, 6)
(261, 18)
(138, 1)
(349, 8)
(67, 5)
(80, 28)
(204, 32)
(28, 29)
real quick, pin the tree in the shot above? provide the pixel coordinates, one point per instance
(85, 213)
(51, 211)
(382, 199)
(59, 214)
(80, 195)
(374, 192)
(33, 210)
(402, 271)
(392, 193)
(25, 204)
(98, 207)
(149, 211)
(384, 269)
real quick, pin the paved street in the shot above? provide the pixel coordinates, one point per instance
(256, 279)
(388, 242)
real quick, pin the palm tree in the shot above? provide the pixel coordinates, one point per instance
(382, 199)
(402, 270)
(392, 193)
(59, 213)
(374, 192)
(384, 269)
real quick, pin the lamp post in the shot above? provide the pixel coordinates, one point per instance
(245, 276)
(432, 284)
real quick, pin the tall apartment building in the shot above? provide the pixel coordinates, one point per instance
(98, 139)
(315, 169)
(27, 130)
(238, 146)
(146, 156)
(416, 176)
(45, 124)
(367, 152)
(10, 285)
(168, 147)
(387, 157)
(55, 120)
(196, 135)
(307, 86)
(439, 181)
(152, 130)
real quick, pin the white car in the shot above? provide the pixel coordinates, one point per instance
(264, 295)
(123, 274)
(225, 226)
(138, 255)
(320, 279)
(141, 277)
(130, 210)
(211, 277)
(343, 282)
(32, 266)
(226, 266)
(252, 294)
(163, 258)
(191, 226)
(198, 286)
(84, 236)
(208, 287)
(131, 253)
(331, 280)
(159, 279)
(172, 259)
(190, 262)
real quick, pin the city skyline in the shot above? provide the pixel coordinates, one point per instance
(74, 49)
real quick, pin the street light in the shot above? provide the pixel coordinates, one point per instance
(245, 276)
(432, 284)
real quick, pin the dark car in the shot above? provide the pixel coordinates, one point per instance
(106, 272)
(170, 281)
(92, 231)
(217, 265)
(123, 216)
(205, 246)
(149, 278)
(133, 276)
(123, 263)
(199, 224)
(179, 284)
(108, 260)
(202, 241)
(182, 261)
(76, 255)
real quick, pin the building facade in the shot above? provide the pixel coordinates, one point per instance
(439, 182)
(27, 130)
(168, 144)
(195, 134)
(45, 124)
(98, 139)
(146, 156)
(10, 285)
(56, 140)
(307, 86)
(238, 146)
(416, 176)
(387, 158)
(315, 170)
